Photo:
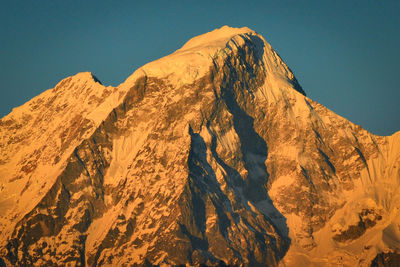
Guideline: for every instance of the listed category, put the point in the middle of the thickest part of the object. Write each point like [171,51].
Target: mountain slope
[211,155]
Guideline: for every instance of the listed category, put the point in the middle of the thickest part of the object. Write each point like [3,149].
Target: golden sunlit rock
[212,155]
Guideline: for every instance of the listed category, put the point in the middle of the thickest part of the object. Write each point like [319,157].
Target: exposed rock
[211,156]
[389,259]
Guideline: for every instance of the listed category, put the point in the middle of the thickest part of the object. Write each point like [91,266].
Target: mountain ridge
[216,151]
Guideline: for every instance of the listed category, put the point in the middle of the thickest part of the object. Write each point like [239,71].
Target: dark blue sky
[345,54]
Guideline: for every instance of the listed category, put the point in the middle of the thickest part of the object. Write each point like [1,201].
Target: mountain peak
[202,53]
[216,38]
[209,156]
[84,76]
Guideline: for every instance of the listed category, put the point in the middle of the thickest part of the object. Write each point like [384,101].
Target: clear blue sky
[345,54]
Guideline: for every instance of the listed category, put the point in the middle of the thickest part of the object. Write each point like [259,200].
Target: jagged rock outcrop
[212,155]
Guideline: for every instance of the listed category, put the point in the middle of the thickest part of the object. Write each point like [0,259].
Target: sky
[345,54]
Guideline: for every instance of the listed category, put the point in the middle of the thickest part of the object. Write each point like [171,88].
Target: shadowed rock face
[386,259]
[226,162]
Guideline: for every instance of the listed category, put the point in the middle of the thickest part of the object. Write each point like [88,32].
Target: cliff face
[211,155]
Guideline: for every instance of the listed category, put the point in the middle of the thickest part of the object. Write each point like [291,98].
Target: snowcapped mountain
[212,155]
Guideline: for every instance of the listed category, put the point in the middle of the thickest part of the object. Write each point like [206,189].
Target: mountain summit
[212,155]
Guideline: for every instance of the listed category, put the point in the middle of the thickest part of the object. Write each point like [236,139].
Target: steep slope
[211,155]
[37,138]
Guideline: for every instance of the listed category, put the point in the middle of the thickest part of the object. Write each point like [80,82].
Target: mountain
[212,155]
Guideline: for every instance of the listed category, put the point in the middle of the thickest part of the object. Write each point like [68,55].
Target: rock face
[212,155]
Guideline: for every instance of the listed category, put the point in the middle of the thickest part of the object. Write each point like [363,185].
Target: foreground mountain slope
[212,154]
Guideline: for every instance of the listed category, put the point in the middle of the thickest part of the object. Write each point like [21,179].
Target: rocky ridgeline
[210,156]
